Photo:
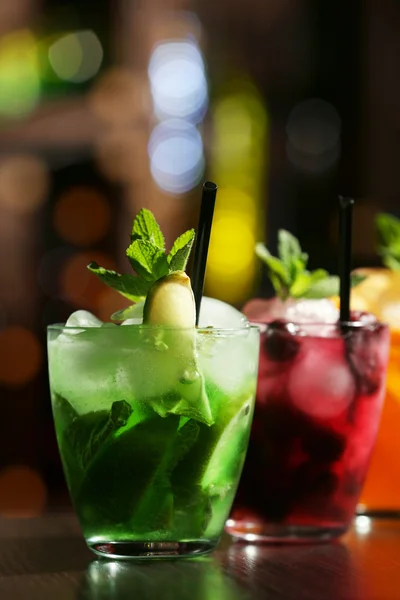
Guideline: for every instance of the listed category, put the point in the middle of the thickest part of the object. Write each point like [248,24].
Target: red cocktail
[319,398]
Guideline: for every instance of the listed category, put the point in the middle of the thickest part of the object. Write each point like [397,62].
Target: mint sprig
[148,258]
[145,227]
[149,261]
[289,275]
[388,234]
[180,251]
[129,286]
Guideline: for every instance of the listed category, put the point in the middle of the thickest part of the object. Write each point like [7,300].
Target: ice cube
[132,321]
[366,318]
[93,369]
[156,365]
[312,311]
[228,361]
[320,381]
[82,318]
[215,313]
[82,368]
[361,440]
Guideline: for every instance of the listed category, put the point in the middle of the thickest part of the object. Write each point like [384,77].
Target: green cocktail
[153,416]
[152,424]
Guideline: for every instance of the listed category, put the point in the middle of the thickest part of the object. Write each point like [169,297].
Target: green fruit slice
[170,302]
[228,455]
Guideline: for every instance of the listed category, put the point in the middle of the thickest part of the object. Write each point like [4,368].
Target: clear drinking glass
[319,399]
[152,425]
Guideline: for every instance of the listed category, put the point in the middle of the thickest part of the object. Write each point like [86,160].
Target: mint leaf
[323,288]
[356,279]
[64,410]
[186,400]
[145,227]
[290,253]
[289,276]
[289,249]
[149,261]
[392,263]
[154,503]
[134,311]
[86,435]
[328,285]
[388,230]
[90,431]
[141,484]
[187,436]
[129,286]
[277,271]
[180,251]
[305,280]
[139,480]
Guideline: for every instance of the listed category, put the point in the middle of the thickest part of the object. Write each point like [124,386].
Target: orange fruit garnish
[379,294]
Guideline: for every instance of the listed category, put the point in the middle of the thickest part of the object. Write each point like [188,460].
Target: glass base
[378,513]
[273,533]
[147,550]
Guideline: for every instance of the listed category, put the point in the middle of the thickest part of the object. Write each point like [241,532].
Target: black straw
[345,226]
[202,242]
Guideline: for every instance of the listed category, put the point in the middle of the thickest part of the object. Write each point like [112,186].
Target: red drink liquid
[319,398]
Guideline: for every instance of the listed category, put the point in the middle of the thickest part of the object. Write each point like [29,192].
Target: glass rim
[350,325]
[60,327]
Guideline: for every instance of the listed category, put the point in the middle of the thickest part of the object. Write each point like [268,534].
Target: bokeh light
[235,129]
[24,183]
[77,56]
[232,248]
[231,260]
[238,164]
[77,284]
[120,97]
[19,74]
[176,156]
[178,81]
[82,215]
[22,492]
[20,356]
[313,133]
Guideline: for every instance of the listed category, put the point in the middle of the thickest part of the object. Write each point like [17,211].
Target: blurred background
[119,104]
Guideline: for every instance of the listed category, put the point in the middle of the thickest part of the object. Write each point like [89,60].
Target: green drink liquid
[145,466]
